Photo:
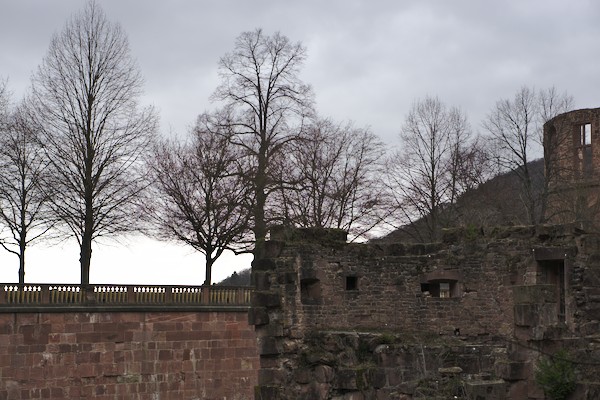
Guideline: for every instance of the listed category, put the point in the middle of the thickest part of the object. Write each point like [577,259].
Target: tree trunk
[85,257]
[209,265]
[260,225]
[21,264]
[22,245]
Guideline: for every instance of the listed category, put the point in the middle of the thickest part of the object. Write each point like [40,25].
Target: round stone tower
[572,168]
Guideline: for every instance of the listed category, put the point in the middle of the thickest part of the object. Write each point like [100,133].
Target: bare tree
[512,124]
[517,128]
[23,204]
[430,171]
[201,199]
[267,103]
[84,104]
[337,169]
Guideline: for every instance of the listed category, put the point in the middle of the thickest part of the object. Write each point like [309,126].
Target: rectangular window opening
[584,150]
[585,134]
[440,289]
[351,283]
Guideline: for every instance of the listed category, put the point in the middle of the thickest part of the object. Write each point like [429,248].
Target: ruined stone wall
[389,278]
[357,321]
[127,355]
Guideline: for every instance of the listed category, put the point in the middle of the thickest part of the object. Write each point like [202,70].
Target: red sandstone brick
[165,355]
[87,371]
[6,328]
[27,319]
[148,368]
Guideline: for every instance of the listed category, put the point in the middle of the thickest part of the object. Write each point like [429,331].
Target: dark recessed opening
[442,289]
[310,291]
[351,283]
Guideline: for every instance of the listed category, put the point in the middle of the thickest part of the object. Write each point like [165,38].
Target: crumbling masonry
[469,317]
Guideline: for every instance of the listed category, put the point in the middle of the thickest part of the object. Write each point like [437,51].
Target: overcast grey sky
[368,61]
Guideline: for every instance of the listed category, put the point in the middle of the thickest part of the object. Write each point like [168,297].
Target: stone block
[354,396]
[261,280]
[592,390]
[385,358]
[267,392]
[524,314]
[512,370]
[517,390]
[532,315]
[378,378]
[324,373]
[291,277]
[258,316]
[450,371]
[273,248]
[266,264]
[265,299]
[346,379]
[590,328]
[322,235]
[486,390]
[268,346]
[314,391]
[270,376]
[302,375]
[534,294]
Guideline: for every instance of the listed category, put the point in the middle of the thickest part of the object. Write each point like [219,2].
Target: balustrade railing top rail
[36,295]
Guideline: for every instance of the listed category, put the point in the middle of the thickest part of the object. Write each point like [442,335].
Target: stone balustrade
[60,296]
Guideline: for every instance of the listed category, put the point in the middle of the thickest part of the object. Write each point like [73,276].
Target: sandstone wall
[514,295]
[127,355]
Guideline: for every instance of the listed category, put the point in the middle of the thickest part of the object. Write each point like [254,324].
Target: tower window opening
[583,143]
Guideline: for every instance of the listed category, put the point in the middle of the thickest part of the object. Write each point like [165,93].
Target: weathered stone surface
[450,370]
[261,280]
[513,370]
[258,316]
[267,392]
[324,373]
[486,390]
[346,379]
[377,378]
[268,346]
[354,396]
[534,294]
[266,264]
[265,299]
[302,375]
